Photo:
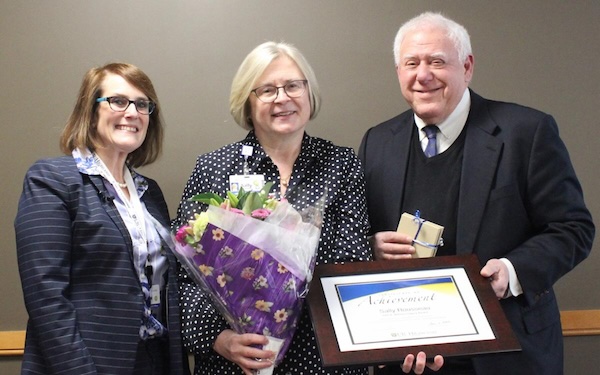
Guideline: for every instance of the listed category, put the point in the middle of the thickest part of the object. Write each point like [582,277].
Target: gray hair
[254,66]
[455,32]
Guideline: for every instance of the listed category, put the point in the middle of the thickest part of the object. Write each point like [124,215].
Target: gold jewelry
[285,182]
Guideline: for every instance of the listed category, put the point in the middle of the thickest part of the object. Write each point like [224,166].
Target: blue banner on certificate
[399,309]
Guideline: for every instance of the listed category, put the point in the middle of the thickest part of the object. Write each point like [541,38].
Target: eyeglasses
[269,93]
[120,104]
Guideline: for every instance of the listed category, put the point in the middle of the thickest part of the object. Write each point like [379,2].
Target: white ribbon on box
[427,236]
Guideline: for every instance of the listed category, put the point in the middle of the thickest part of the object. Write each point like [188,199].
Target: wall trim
[574,323]
[580,322]
[12,343]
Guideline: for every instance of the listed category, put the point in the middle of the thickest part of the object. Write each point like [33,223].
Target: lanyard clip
[247,151]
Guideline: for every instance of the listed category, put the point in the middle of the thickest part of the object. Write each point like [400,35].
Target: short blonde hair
[81,128]
[254,66]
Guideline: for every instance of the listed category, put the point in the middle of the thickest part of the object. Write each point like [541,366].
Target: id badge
[155,295]
[250,182]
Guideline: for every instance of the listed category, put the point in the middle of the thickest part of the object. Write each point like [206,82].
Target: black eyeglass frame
[151,104]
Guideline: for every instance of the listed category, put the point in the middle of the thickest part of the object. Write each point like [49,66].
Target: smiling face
[432,79]
[285,116]
[120,132]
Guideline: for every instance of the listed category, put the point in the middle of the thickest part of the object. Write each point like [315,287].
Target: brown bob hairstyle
[81,128]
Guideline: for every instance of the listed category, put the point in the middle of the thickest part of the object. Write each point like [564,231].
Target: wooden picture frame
[322,307]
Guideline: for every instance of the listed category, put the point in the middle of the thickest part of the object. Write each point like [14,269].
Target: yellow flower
[290,286]
[222,280]
[218,234]
[260,283]
[206,270]
[281,268]
[280,315]
[245,320]
[199,225]
[263,305]
[257,254]
[226,251]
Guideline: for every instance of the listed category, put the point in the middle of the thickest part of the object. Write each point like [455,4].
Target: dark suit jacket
[81,291]
[519,199]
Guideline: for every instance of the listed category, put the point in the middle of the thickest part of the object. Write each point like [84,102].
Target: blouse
[146,241]
[321,168]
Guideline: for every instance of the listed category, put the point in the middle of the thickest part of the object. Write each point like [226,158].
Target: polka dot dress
[321,169]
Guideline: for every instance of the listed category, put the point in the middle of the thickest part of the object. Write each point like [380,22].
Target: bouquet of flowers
[254,256]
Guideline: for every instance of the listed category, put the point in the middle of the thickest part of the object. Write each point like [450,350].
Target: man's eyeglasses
[120,104]
[269,93]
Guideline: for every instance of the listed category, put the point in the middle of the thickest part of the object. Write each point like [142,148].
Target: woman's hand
[240,349]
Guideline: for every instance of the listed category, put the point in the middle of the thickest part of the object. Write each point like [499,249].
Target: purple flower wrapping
[251,289]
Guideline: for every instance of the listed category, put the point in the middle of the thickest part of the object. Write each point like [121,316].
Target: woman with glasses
[274,94]
[99,284]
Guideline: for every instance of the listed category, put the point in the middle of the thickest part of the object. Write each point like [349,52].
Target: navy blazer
[81,291]
[519,198]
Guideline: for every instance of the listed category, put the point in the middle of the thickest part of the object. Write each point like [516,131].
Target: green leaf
[242,195]
[252,202]
[264,192]
[233,199]
[208,198]
[190,240]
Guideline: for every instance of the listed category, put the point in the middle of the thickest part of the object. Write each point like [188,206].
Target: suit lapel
[480,160]
[398,152]
[111,209]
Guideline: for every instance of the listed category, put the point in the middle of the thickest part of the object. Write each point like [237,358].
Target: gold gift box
[428,238]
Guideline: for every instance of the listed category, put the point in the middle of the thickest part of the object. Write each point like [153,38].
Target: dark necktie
[431,132]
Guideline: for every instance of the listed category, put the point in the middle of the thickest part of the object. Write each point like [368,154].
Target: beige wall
[539,53]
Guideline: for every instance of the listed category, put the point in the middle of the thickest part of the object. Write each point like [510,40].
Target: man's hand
[238,349]
[392,245]
[419,365]
[421,361]
[497,273]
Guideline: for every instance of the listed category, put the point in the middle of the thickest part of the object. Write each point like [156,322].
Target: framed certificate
[369,313]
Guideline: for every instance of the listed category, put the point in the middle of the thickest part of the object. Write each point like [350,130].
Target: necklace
[109,176]
[285,181]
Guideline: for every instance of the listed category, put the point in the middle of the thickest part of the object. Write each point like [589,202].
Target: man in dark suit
[500,181]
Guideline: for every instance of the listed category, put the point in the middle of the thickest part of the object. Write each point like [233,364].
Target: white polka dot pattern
[321,166]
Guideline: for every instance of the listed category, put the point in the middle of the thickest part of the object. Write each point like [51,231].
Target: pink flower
[260,213]
[237,211]
[248,273]
[182,234]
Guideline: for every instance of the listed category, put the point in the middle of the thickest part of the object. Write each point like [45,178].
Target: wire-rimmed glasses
[269,93]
